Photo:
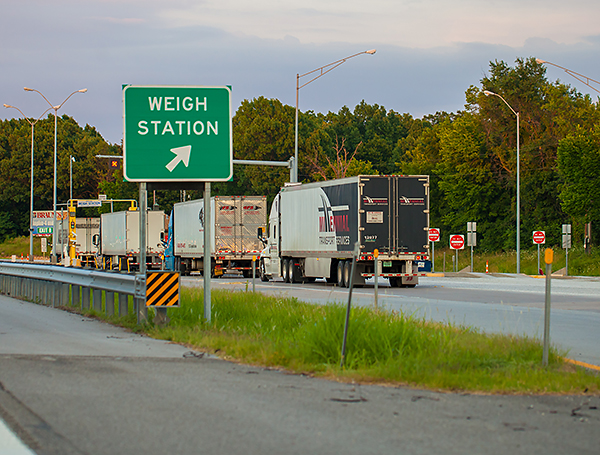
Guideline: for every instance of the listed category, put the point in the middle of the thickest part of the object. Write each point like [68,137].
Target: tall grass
[382,346]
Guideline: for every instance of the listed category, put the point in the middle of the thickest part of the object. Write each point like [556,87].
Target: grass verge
[392,348]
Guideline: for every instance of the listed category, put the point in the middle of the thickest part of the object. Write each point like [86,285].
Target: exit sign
[177,134]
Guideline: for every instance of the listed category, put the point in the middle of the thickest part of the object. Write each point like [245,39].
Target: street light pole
[71,161]
[55,109]
[488,93]
[322,71]
[31,189]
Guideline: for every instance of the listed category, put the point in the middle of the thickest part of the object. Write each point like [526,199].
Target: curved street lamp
[322,71]
[32,123]
[488,93]
[55,109]
[580,77]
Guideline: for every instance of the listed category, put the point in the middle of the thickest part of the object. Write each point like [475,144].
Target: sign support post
[207,253]
[457,242]
[472,238]
[376,273]
[566,244]
[141,310]
[539,238]
[434,236]
[549,256]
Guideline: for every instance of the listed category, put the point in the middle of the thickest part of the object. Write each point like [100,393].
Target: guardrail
[65,286]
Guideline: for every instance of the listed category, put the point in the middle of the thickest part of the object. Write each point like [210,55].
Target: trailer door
[410,217]
[375,217]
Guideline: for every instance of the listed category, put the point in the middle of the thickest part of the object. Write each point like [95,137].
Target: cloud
[65,45]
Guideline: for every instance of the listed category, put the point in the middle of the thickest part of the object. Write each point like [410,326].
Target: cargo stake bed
[313,229]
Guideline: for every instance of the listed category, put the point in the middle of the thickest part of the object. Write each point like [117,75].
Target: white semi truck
[120,239]
[235,221]
[313,229]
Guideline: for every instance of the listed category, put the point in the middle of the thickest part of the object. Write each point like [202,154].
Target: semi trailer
[119,239]
[314,229]
[234,224]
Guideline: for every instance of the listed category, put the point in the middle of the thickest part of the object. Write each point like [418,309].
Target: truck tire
[285,271]
[340,274]
[291,272]
[262,271]
[347,273]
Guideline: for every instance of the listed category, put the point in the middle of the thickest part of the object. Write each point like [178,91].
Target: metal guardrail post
[85,298]
[97,300]
[76,296]
[65,294]
[123,304]
[109,297]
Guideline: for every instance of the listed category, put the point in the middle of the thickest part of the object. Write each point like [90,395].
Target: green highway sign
[177,134]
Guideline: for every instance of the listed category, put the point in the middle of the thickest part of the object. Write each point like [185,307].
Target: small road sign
[539,237]
[192,122]
[457,242]
[434,234]
[162,289]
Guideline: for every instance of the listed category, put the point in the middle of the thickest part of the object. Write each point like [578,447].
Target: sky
[429,52]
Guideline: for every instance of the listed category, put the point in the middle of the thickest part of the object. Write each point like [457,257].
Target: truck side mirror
[261,234]
[96,240]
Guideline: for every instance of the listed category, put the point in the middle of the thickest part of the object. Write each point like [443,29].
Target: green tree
[579,166]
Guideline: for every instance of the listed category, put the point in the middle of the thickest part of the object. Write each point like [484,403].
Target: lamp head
[7,105]
[83,90]
[540,61]
[372,51]
[488,93]
[27,89]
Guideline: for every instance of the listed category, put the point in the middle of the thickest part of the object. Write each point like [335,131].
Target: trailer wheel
[340,274]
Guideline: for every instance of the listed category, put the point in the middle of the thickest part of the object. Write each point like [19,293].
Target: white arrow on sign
[182,154]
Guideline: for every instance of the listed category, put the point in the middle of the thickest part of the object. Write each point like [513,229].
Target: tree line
[470,156]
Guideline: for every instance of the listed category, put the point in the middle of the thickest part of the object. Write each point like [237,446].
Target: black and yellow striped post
[162,289]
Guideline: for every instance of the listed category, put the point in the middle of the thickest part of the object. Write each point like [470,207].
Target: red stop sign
[457,242]
[434,234]
[539,237]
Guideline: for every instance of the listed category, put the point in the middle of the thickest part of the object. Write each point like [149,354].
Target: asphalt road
[503,303]
[71,385]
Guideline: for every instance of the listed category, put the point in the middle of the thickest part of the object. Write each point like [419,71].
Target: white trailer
[234,240]
[313,229]
[85,230]
[120,239]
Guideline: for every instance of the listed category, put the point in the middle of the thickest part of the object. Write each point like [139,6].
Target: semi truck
[314,229]
[119,239]
[235,221]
